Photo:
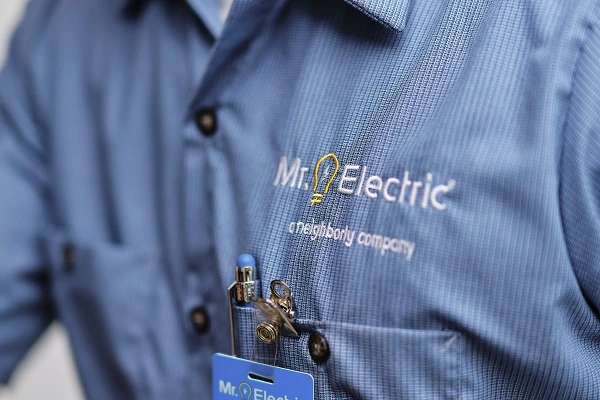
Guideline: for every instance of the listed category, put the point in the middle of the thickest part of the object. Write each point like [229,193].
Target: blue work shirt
[423,175]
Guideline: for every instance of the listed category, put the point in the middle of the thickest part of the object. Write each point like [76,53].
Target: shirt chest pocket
[355,361]
[103,295]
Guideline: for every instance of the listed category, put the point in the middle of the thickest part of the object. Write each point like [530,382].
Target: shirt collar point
[390,13]
[207,11]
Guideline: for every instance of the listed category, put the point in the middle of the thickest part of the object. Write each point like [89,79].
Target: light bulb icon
[318,197]
[245,390]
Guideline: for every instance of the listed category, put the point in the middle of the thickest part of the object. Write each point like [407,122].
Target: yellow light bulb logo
[318,197]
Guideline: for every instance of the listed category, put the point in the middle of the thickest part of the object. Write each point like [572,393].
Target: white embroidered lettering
[386,194]
[345,178]
[373,186]
[284,175]
[439,190]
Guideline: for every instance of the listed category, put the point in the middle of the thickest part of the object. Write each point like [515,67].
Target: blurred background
[48,371]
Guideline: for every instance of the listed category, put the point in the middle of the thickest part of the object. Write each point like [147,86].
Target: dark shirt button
[200,319]
[318,348]
[68,257]
[206,120]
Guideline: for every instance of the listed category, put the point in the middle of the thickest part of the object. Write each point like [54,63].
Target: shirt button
[318,348]
[206,120]
[68,257]
[200,319]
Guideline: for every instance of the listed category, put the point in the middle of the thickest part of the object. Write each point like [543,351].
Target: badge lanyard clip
[279,312]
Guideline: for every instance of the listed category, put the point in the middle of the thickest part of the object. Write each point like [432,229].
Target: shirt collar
[391,13]
[207,10]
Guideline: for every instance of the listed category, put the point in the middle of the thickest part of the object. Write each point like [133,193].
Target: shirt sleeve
[25,306]
[580,170]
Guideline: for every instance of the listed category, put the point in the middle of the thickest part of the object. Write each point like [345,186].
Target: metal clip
[279,311]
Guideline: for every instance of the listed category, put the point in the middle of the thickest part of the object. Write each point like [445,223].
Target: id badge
[247,380]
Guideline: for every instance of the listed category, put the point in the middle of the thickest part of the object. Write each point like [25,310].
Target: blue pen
[241,291]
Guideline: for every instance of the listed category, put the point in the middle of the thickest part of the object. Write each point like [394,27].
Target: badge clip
[279,312]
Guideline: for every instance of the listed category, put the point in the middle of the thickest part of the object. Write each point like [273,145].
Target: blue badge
[238,378]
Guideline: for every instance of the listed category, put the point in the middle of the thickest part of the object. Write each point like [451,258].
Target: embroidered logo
[318,197]
[356,181]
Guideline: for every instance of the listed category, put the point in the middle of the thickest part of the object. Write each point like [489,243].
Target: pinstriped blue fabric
[453,255]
